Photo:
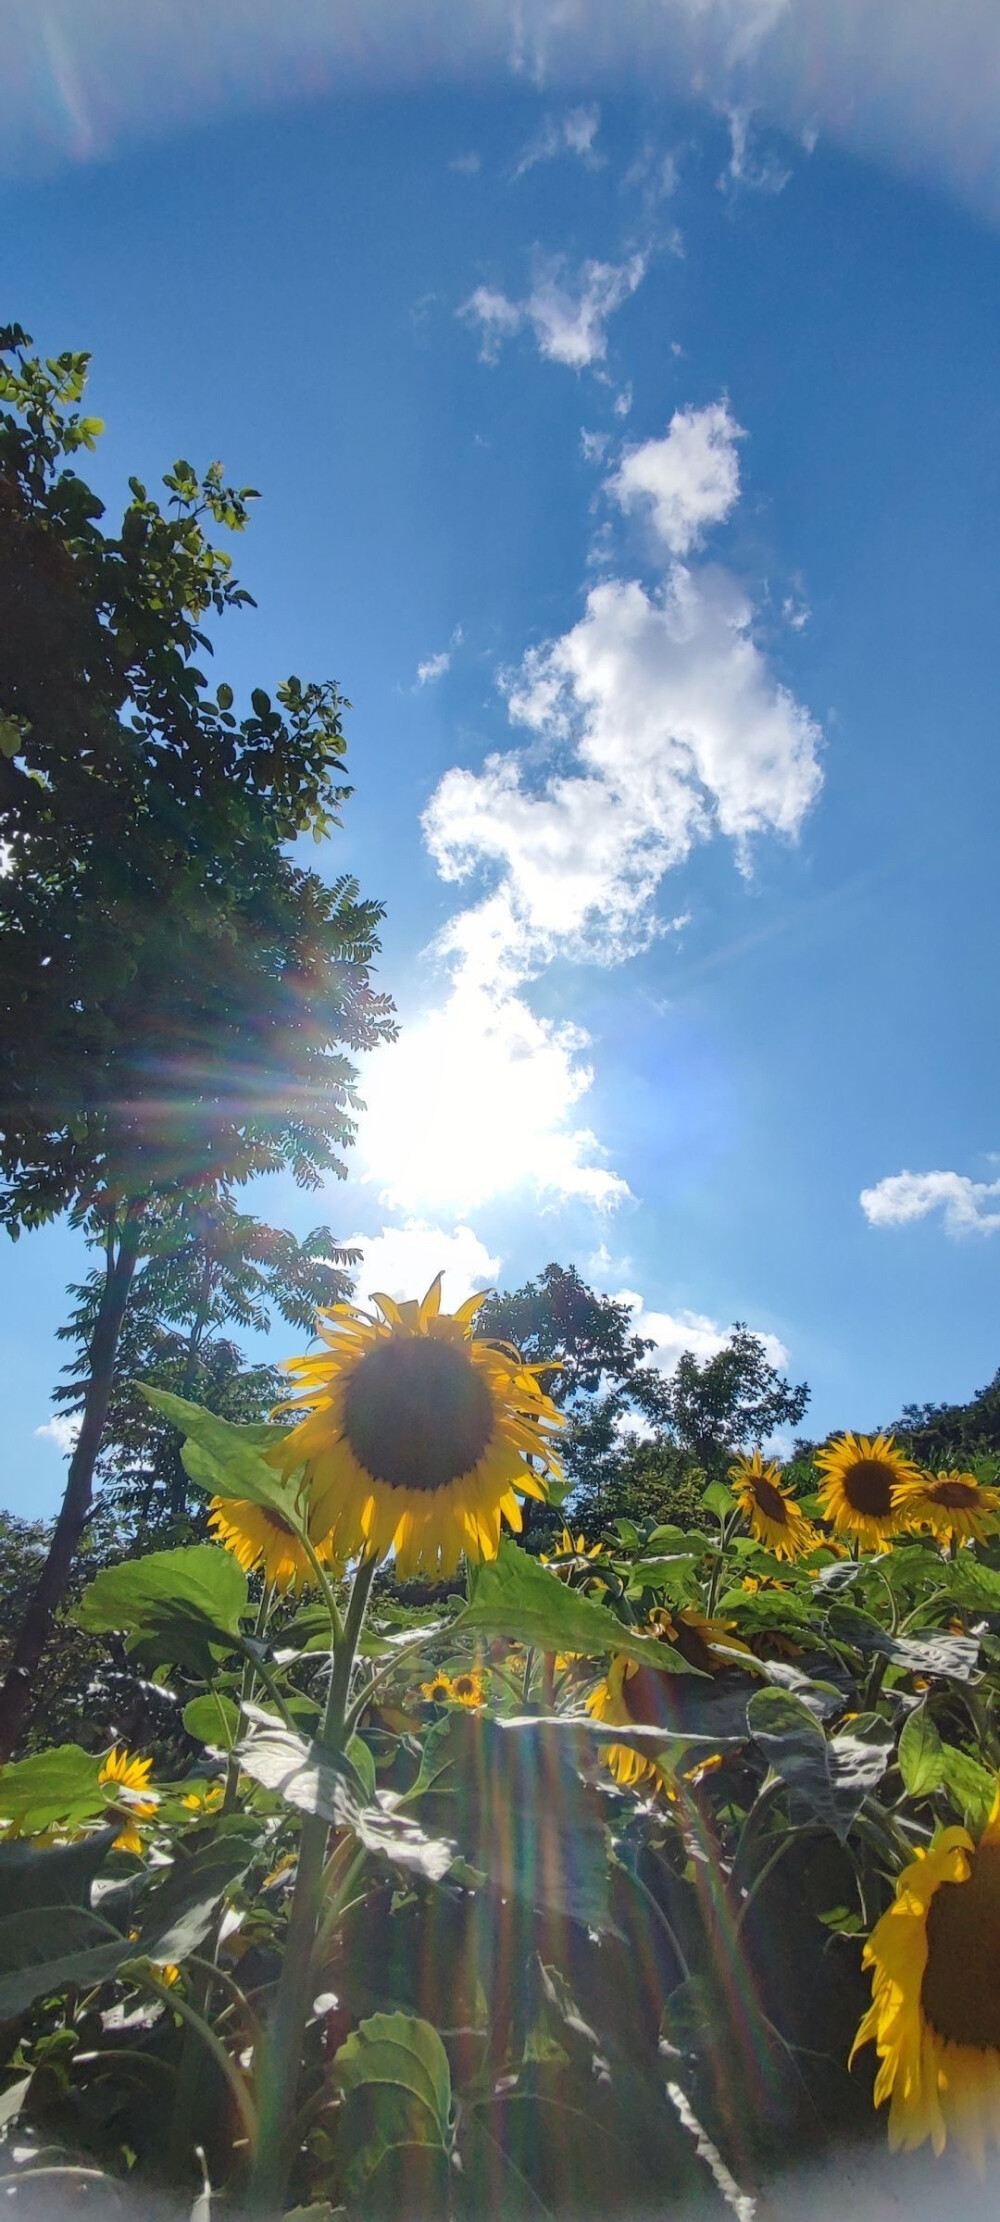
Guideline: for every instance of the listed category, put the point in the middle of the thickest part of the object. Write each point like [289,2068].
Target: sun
[935,2012]
[869,1486]
[418,1435]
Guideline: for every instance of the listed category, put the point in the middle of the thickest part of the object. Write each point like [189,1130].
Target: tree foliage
[179,993]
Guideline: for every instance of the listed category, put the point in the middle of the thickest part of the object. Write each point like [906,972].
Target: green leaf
[973,1787]
[717,1498]
[51,1875]
[363,1764]
[317,1781]
[52,1947]
[828,1777]
[224,696]
[213,1719]
[921,1754]
[224,1459]
[51,1786]
[971,1583]
[178,1912]
[396,2096]
[520,1812]
[516,1597]
[174,1605]
[928,1653]
[406,2053]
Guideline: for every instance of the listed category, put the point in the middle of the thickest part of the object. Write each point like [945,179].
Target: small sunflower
[770,1511]
[634,1696]
[131,1776]
[956,1507]
[469,1689]
[869,1486]
[438,1690]
[935,2011]
[259,1536]
[417,1436]
[567,1550]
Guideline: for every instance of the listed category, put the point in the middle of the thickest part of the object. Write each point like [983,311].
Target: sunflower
[568,1550]
[259,1536]
[770,1511]
[869,1486]
[957,1508]
[935,2011]
[417,1435]
[455,1689]
[131,1776]
[438,1690]
[634,1696]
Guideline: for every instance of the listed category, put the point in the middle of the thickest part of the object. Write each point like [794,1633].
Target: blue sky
[629,446]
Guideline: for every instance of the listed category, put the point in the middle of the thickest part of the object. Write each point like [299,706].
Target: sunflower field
[606,1881]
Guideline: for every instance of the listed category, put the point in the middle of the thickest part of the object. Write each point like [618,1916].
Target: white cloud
[466,165]
[674,1332]
[655,723]
[62,1430]
[750,169]
[573,132]
[566,309]
[690,478]
[673,728]
[967,1206]
[434,667]
[403,1261]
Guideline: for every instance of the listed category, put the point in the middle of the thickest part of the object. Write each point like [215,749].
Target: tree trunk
[33,1634]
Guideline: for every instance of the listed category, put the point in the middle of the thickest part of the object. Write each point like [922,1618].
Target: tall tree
[210,1267]
[730,1402]
[178,992]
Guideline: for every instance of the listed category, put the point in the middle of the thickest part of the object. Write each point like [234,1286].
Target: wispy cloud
[966,1206]
[573,132]
[912,83]
[751,168]
[62,1429]
[434,667]
[566,309]
[403,1261]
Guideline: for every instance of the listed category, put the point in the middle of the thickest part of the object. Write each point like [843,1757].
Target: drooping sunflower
[122,1771]
[634,1696]
[770,1511]
[955,1506]
[260,1537]
[869,1486]
[417,1436]
[935,2011]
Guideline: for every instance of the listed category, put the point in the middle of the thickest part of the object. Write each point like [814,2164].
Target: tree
[639,1443]
[730,1402]
[178,991]
[592,1338]
[210,1267]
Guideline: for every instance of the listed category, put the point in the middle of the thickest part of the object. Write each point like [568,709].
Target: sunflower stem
[281,2050]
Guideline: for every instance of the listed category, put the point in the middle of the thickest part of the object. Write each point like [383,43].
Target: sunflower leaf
[316,1780]
[828,1777]
[928,1653]
[48,1948]
[514,1596]
[222,1458]
[921,1754]
[173,1605]
[34,1875]
[59,1785]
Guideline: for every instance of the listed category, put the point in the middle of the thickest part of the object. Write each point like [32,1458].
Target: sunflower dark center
[957,1495]
[960,1993]
[417,1414]
[868,1488]
[770,1500]
[277,1520]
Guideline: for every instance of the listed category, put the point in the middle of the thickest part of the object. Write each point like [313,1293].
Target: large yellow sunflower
[259,1536]
[634,1696]
[417,1436]
[935,2011]
[955,1506]
[123,1772]
[769,1510]
[869,1486]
